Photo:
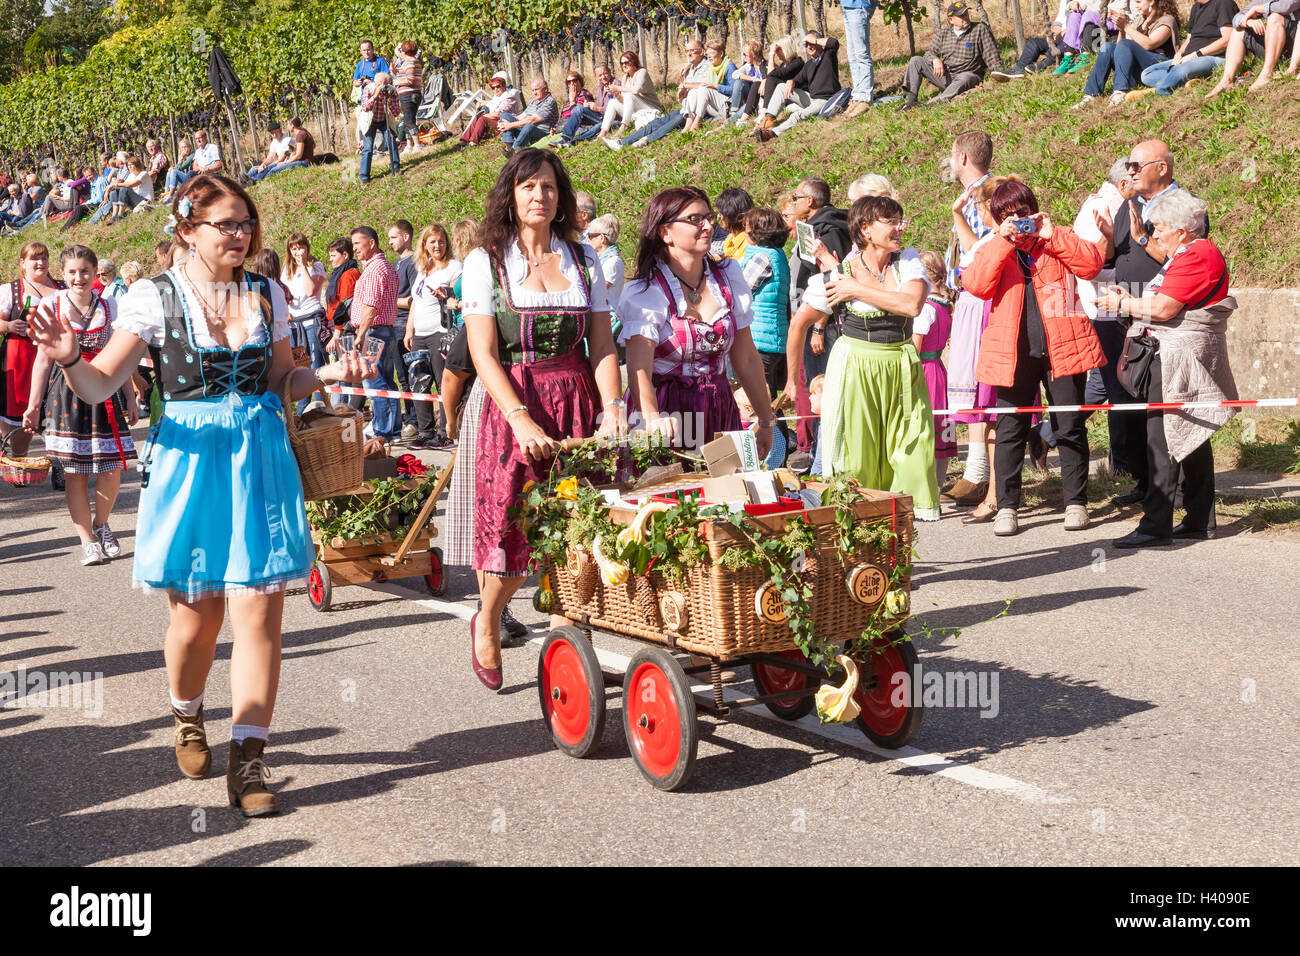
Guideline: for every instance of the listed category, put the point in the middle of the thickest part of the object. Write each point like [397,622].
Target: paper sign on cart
[731,452]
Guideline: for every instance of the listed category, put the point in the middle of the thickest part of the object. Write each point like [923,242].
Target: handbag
[1134,371]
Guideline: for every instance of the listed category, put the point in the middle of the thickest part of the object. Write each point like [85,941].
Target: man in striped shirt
[374,310]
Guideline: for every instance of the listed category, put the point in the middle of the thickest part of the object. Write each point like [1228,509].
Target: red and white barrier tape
[382,393]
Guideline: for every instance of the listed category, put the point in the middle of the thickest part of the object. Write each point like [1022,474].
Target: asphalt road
[1145,714]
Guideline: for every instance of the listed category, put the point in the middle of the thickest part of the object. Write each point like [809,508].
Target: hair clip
[185,207]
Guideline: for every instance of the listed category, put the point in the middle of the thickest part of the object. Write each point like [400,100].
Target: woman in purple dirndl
[683,317]
[531,296]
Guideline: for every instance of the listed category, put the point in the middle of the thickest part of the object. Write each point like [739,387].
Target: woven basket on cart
[22,472]
[715,609]
[329,452]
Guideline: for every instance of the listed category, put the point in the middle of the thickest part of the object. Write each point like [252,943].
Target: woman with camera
[1038,334]
[429,323]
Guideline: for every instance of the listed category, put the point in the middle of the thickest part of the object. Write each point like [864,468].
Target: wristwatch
[1142,241]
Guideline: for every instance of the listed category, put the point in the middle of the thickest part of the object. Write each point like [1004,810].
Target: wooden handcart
[726,621]
[370,560]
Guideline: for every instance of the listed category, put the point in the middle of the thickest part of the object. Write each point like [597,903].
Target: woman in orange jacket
[1032,340]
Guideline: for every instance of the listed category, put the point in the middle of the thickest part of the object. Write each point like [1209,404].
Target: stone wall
[1264,345]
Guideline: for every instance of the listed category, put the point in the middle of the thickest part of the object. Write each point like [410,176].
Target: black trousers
[1196,472]
[1013,431]
[428,415]
[405,405]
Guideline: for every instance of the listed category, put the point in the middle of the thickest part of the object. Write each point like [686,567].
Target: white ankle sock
[241,732]
[977,463]
[187,707]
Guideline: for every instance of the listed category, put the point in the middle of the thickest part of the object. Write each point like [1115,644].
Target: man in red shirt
[374,309]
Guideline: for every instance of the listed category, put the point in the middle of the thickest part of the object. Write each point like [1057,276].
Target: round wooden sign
[768,604]
[672,607]
[868,584]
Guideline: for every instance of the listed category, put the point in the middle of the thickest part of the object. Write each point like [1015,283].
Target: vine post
[802,16]
[1019,24]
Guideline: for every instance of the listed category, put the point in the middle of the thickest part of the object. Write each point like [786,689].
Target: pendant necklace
[878,276]
[692,292]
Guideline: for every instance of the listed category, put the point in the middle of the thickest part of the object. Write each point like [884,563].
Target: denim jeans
[857,35]
[379,128]
[524,136]
[579,118]
[1166,77]
[656,129]
[1130,61]
[177,178]
[1101,70]
[387,418]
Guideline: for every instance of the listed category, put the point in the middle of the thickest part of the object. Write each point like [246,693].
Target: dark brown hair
[298,239]
[500,223]
[663,208]
[766,227]
[870,208]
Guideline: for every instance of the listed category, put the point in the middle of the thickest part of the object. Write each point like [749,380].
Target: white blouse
[910,267]
[644,310]
[427,314]
[478,281]
[615,272]
[97,319]
[305,303]
[140,312]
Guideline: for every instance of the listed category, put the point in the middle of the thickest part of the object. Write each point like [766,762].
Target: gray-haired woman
[1186,311]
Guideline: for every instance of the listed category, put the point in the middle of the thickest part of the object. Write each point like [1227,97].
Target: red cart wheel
[659,718]
[572,691]
[319,590]
[771,679]
[891,709]
[436,580]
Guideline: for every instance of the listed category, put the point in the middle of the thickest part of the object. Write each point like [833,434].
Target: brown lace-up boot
[246,779]
[193,755]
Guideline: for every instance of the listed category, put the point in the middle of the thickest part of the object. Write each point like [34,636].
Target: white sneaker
[409,432]
[1082,103]
[1117,98]
[612,143]
[641,143]
[90,554]
[1076,517]
[107,541]
[1006,523]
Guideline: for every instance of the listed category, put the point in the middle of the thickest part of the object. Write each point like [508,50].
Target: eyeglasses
[1137,167]
[894,223]
[697,219]
[798,196]
[230,228]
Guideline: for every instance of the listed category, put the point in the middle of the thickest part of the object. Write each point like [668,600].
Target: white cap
[501,75]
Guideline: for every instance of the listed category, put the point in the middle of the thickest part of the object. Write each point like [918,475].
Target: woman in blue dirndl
[221,519]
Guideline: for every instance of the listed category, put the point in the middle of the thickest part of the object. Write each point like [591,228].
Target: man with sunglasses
[956,60]
[1125,242]
[806,94]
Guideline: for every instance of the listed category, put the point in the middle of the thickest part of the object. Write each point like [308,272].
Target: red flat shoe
[490,676]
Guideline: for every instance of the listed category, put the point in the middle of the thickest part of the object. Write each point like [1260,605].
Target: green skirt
[877,422]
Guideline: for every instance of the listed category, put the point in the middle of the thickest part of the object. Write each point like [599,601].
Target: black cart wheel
[773,679]
[572,691]
[319,590]
[436,579]
[659,718]
[891,706]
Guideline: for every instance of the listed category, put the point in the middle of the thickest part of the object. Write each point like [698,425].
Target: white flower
[185,207]
[170,227]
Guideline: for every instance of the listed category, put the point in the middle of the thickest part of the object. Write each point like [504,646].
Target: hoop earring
[560,218]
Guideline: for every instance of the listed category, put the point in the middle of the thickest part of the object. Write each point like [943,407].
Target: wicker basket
[721,618]
[22,472]
[330,453]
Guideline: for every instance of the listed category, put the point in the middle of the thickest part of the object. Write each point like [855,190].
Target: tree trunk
[252,128]
[758,12]
[786,10]
[911,34]
[659,37]
[819,15]
[1019,25]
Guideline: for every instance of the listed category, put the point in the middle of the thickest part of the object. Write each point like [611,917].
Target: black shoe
[908,104]
[421,444]
[1139,540]
[511,626]
[1192,534]
[1134,497]
[440,440]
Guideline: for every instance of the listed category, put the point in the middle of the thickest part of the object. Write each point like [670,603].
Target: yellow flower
[567,489]
[835,705]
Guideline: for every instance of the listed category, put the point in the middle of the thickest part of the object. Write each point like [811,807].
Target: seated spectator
[276,152]
[584,123]
[157,163]
[710,98]
[131,271]
[1265,28]
[955,60]
[207,157]
[540,117]
[505,99]
[1150,40]
[636,94]
[1048,52]
[32,183]
[303,151]
[132,192]
[62,197]
[16,209]
[578,101]
[749,76]
[179,172]
[872,184]
[1076,22]
[1209,30]
[694,70]
[732,205]
[807,92]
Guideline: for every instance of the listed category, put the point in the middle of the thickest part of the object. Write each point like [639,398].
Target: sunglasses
[1138,167]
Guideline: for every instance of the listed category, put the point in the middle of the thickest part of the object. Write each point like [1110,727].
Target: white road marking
[842,734]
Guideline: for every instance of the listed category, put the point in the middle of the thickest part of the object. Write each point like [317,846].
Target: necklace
[533,263]
[211,313]
[878,276]
[692,292]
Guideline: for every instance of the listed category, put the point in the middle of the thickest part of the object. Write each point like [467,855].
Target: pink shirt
[377,287]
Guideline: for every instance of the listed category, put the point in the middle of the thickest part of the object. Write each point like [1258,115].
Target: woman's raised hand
[54,336]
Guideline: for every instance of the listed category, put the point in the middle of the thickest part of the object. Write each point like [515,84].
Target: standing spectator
[505,99]
[380,100]
[1186,309]
[930,333]
[276,153]
[733,204]
[408,77]
[710,98]
[1125,244]
[1265,28]
[956,59]
[768,274]
[807,92]
[179,172]
[857,37]
[18,301]
[535,122]
[1037,336]
[344,273]
[157,163]
[374,310]
[111,284]
[636,94]
[583,122]
[400,234]
[435,269]
[369,66]
[603,236]
[304,277]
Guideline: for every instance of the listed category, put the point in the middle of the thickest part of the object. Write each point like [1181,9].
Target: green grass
[1226,149]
